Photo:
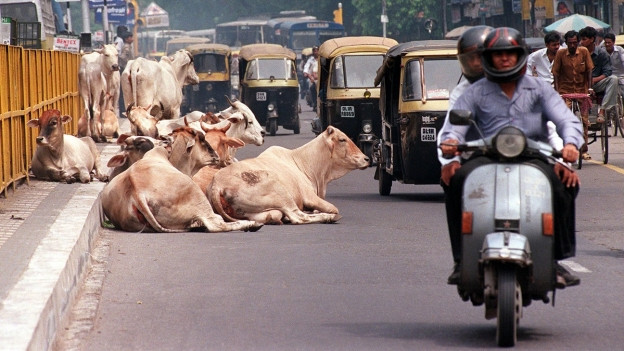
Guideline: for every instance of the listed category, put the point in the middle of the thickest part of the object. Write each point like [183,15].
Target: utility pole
[384,17]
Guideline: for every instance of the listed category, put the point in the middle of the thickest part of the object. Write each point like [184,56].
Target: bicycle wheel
[604,142]
[619,116]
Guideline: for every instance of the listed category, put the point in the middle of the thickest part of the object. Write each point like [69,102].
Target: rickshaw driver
[532,102]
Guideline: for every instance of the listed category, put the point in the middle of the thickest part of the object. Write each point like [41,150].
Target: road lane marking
[611,167]
[574,266]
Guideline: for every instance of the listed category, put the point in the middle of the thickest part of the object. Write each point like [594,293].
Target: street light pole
[384,17]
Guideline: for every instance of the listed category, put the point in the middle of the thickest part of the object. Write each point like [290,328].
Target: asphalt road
[376,280]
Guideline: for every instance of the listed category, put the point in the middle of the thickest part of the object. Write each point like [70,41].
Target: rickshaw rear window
[441,76]
[209,63]
[355,71]
[267,68]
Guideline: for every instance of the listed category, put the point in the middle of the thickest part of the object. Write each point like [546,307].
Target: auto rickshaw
[348,98]
[212,65]
[268,85]
[179,43]
[416,82]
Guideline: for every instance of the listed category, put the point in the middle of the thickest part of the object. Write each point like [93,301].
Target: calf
[62,157]
[110,124]
[280,184]
[152,195]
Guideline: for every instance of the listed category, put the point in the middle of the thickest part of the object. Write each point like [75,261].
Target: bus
[152,44]
[203,33]
[35,22]
[298,34]
[242,32]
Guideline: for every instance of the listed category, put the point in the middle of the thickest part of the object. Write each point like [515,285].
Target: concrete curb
[34,309]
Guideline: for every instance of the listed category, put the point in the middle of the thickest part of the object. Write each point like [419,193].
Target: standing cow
[63,157]
[280,184]
[147,83]
[152,195]
[95,81]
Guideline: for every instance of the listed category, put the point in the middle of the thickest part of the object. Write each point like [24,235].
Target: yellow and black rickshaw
[416,82]
[212,65]
[348,98]
[269,86]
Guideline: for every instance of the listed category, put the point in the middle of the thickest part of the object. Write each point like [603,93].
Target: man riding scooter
[507,92]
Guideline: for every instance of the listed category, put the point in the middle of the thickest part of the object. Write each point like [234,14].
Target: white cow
[147,83]
[94,77]
[286,185]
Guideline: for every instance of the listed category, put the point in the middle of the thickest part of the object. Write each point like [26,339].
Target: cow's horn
[229,101]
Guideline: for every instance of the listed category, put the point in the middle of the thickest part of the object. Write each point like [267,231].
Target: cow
[62,157]
[152,195]
[110,124]
[147,83]
[280,184]
[133,149]
[143,120]
[94,82]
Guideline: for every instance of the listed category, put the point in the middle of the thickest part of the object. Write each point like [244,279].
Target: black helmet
[504,39]
[467,45]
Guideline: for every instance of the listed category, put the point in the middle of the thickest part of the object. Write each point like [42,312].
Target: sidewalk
[47,231]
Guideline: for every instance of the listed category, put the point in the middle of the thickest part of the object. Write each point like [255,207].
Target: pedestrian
[125,55]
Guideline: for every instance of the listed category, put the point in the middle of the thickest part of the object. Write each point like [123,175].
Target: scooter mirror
[460,117]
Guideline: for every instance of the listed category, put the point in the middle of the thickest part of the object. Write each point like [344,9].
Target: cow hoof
[255,227]
[335,218]
[103,139]
[95,138]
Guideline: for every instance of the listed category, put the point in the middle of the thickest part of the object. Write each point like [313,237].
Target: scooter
[507,227]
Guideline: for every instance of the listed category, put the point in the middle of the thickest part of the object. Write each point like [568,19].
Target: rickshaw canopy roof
[338,46]
[209,48]
[420,47]
[253,51]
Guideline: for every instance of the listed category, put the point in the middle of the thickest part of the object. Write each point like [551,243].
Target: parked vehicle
[268,85]
[212,65]
[346,88]
[416,81]
[508,231]
[176,44]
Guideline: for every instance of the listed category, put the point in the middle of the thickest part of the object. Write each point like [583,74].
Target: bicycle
[584,102]
[617,120]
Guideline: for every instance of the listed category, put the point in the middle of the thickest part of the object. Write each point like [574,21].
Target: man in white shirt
[310,71]
[539,63]
[616,53]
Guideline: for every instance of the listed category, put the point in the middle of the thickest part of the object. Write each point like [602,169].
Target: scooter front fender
[506,246]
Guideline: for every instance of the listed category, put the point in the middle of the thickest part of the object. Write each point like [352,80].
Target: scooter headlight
[271,107]
[367,127]
[510,142]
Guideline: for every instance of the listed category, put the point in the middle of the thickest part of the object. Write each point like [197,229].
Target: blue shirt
[533,104]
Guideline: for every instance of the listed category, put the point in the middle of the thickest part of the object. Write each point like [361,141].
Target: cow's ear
[156,111]
[235,118]
[234,142]
[66,119]
[190,144]
[33,123]
[122,138]
[330,130]
[116,161]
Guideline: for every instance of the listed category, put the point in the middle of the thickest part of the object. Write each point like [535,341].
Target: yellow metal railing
[32,81]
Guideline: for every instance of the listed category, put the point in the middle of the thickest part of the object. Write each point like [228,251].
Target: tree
[404,23]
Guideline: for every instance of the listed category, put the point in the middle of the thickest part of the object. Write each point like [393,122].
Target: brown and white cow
[94,82]
[133,149]
[282,185]
[147,83]
[152,195]
[63,157]
[110,124]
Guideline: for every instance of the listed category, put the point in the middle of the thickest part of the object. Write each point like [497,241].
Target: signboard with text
[67,43]
[110,3]
[116,15]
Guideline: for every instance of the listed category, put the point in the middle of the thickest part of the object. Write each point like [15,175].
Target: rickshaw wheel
[385,181]
[272,126]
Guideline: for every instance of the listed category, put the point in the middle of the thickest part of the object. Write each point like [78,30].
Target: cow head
[345,155]
[221,143]
[50,126]
[110,57]
[144,119]
[182,61]
[190,151]
[253,131]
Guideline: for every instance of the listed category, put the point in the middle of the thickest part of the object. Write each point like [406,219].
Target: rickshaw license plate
[261,96]
[427,134]
[347,111]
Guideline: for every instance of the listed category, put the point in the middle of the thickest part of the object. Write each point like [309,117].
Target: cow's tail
[218,201]
[133,84]
[146,212]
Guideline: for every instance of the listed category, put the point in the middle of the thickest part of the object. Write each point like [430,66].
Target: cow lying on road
[63,157]
[152,195]
[280,184]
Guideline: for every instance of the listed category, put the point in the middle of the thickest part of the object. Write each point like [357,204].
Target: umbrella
[456,32]
[575,22]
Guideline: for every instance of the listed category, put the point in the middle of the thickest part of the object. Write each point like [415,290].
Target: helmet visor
[471,64]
